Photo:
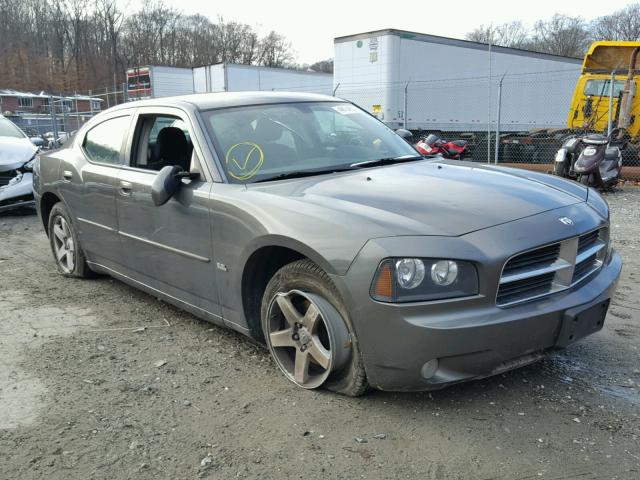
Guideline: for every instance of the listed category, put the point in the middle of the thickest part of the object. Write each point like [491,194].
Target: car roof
[206,101]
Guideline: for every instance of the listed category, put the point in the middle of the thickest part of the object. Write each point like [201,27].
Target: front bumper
[18,192]
[430,345]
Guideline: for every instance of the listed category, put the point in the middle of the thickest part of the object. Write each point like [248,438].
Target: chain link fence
[511,119]
[528,114]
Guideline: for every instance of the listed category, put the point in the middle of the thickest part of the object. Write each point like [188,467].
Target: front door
[167,247]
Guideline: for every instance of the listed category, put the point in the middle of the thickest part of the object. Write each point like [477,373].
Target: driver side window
[160,141]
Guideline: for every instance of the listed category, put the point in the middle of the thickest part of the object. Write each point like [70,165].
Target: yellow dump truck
[609,75]
[589,110]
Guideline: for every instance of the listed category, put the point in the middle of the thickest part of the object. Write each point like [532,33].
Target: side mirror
[405,134]
[166,184]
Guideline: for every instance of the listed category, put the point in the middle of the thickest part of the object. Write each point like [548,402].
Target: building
[14,102]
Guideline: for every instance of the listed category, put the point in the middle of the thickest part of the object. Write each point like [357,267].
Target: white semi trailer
[426,82]
[155,81]
[228,77]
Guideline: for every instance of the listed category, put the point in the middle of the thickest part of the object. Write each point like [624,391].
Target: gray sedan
[305,223]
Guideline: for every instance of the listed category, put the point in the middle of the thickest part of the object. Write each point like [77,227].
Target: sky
[311,26]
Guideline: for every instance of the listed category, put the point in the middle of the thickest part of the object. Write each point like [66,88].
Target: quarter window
[103,142]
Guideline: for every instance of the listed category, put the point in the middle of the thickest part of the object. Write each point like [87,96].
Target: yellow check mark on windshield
[251,158]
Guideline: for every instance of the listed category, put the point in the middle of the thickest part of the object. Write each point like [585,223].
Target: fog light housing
[429,369]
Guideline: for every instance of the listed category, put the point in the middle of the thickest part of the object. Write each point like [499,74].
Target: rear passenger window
[103,142]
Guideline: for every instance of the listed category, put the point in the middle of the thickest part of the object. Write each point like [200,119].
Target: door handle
[125,188]
[67,175]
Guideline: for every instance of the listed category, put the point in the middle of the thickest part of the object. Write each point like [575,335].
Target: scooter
[590,160]
[434,145]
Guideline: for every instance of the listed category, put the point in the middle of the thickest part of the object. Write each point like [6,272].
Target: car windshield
[259,143]
[8,129]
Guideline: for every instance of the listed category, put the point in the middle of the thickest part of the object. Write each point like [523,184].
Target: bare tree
[66,45]
[323,66]
[621,25]
[561,35]
[275,51]
[512,34]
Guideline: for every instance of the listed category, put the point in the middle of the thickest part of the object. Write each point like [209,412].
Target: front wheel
[558,169]
[308,331]
[64,243]
[584,180]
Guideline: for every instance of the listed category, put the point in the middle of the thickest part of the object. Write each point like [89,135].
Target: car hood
[15,152]
[420,198]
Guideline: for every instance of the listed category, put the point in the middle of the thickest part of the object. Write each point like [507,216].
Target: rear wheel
[308,331]
[68,255]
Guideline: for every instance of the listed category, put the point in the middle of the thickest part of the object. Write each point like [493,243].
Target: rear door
[166,247]
[88,177]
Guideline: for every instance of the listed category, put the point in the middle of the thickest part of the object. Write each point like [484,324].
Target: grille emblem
[565,220]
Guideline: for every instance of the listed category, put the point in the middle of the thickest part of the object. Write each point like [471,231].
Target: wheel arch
[48,200]
[265,259]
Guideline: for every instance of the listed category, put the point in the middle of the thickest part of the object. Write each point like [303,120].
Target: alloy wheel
[63,244]
[304,332]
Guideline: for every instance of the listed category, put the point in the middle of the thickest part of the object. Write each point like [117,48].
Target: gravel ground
[99,380]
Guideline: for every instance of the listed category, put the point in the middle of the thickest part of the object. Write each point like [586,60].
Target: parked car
[17,154]
[305,223]
[34,136]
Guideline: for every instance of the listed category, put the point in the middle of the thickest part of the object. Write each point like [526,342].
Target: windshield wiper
[386,161]
[300,174]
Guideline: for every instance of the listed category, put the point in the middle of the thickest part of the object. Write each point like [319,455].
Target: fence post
[106,94]
[489,109]
[406,104]
[91,102]
[497,149]
[75,94]
[54,121]
[64,114]
[125,94]
[610,122]
[336,89]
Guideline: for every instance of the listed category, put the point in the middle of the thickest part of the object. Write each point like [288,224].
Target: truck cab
[590,105]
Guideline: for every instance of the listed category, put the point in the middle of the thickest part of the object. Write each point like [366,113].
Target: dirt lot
[85,393]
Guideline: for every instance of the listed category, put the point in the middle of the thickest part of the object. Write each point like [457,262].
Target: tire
[305,280]
[63,237]
[559,169]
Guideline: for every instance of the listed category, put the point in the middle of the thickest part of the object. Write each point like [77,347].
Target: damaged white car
[17,154]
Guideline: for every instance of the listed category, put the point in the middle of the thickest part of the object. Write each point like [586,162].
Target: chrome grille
[551,268]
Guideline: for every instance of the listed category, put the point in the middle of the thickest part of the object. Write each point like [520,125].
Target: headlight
[29,165]
[423,279]
[595,201]
[409,272]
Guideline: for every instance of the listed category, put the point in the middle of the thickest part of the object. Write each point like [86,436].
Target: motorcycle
[590,160]
[433,145]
